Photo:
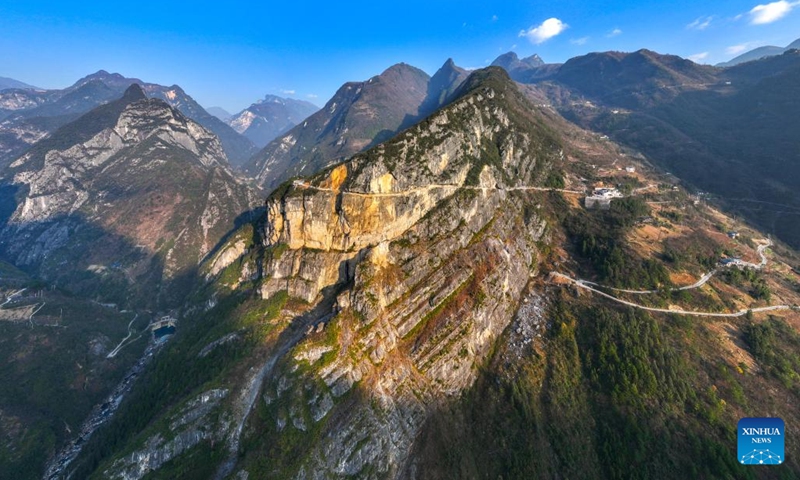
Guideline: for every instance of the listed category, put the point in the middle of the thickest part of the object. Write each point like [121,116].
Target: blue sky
[232,53]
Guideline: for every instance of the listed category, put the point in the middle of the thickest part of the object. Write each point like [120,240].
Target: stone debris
[529,325]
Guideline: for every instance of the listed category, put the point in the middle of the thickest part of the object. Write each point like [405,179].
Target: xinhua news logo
[761,441]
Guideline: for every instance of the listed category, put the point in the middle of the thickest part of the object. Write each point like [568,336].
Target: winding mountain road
[587,285]
[429,187]
[116,350]
[740,313]
[703,280]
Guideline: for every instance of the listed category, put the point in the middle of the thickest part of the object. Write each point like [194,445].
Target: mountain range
[759,53]
[411,304]
[265,120]
[726,131]
[422,289]
[359,115]
[8,83]
[27,116]
[132,195]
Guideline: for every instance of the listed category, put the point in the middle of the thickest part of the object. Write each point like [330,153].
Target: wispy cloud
[701,23]
[494,18]
[288,92]
[770,12]
[698,57]
[312,95]
[579,41]
[547,30]
[736,49]
[614,33]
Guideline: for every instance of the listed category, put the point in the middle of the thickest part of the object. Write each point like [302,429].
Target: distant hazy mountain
[443,85]
[220,113]
[760,52]
[131,194]
[27,115]
[263,121]
[359,115]
[524,70]
[6,83]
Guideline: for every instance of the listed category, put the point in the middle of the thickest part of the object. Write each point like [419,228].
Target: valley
[583,269]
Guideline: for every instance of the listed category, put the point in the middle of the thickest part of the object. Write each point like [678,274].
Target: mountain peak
[134,93]
[509,61]
[441,86]
[533,61]
[493,76]
[102,74]
[401,69]
[269,98]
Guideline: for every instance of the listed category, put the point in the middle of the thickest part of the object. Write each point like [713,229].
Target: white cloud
[547,30]
[312,95]
[579,41]
[698,57]
[736,49]
[288,92]
[701,23]
[494,18]
[771,12]
[614,33]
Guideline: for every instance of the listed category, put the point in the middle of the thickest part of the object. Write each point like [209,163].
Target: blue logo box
[761,441]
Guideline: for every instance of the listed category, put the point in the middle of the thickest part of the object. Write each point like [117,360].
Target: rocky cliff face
[407,262]
[426,235]
[128,186]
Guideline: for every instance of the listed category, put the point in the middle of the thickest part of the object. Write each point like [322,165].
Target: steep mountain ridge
[265,120]
[433,215]
[359,115]
[442,85]
[132,190]
[237,149]
[525,70]
[29,115]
